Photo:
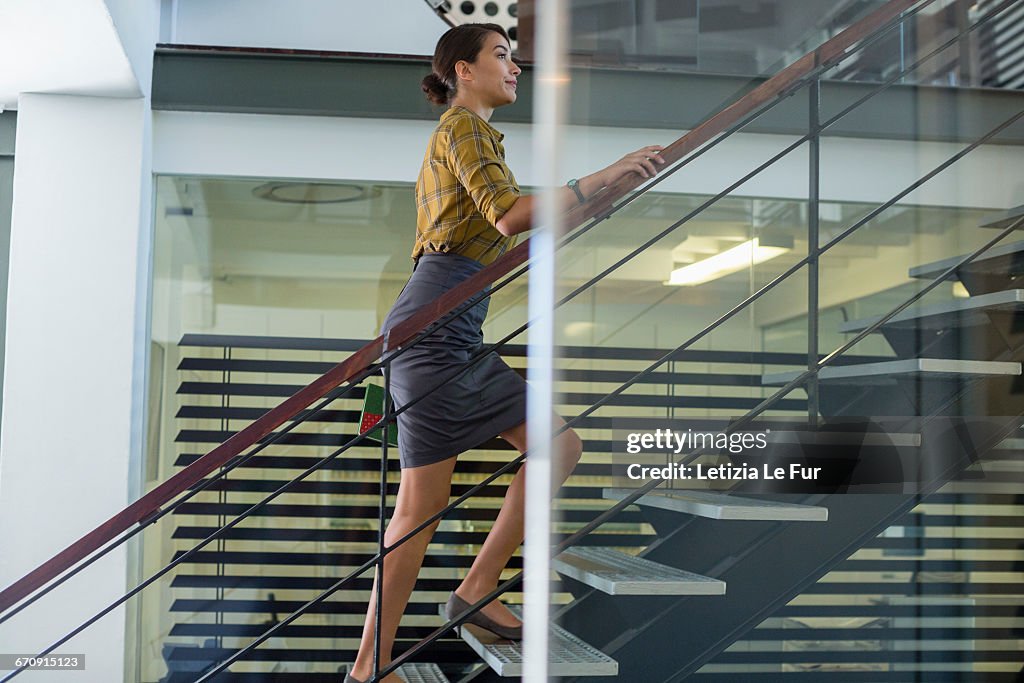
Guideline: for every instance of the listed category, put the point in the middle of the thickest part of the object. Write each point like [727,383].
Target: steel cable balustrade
[490,348]
[148,507]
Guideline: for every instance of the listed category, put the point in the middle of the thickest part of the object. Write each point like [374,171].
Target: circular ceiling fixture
[505,13]
[314,193]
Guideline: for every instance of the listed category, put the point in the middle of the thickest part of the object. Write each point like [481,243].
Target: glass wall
[263,285]
[874,537]
[683,307]
[760,38]
[260,287]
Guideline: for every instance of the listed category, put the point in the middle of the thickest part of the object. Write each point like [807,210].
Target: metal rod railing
[813,225]
[764,405]
[385,425]
[336,394]
[618,507]
[811,372]
[813,255]
[149,506]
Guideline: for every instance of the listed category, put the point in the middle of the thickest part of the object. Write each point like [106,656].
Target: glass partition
[719,37]
[861,540]
[765,262]
[260,287]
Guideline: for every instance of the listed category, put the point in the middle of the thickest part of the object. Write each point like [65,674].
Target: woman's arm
[519,217]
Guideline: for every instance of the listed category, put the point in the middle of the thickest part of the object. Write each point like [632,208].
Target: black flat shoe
[457,606]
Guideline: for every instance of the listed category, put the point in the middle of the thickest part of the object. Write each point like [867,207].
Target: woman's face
[494,73]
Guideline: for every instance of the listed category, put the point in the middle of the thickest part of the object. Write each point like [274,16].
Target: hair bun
[435,89]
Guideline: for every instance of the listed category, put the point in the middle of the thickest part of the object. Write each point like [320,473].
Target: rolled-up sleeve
[481,169]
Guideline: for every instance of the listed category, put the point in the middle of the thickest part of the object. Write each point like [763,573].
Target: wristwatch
[574,185]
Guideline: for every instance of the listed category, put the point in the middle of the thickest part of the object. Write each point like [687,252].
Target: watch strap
[574,185]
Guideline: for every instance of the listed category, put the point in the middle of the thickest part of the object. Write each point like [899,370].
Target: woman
[469,210]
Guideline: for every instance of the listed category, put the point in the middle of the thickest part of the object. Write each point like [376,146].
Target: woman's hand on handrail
[644,162]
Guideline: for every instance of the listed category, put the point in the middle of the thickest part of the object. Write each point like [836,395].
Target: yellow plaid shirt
[463,189]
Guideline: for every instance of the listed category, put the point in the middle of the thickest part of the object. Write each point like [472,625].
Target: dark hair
[462,43]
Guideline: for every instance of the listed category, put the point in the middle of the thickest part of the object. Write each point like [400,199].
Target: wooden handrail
[150,503]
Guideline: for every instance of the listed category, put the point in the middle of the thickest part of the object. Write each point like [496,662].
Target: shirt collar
[493,131]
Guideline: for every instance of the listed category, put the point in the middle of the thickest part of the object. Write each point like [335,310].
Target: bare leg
[507,532]
[422,491]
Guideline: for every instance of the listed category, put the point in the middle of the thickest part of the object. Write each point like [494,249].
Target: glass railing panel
[261,287]
[252,300]
[700,36]
[910,598]
[713,38]
[873,612]
[657,300]
[305,540]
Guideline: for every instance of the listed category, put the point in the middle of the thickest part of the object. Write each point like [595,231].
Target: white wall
[90,59]
[311,147]
[77,331]
[137,25]
[66,437]
[391,26]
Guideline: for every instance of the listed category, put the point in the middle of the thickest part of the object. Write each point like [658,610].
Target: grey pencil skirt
[455,414]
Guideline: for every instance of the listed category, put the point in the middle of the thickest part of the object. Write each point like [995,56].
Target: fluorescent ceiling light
[729,261]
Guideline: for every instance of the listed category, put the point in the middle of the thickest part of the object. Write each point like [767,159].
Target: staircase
[326,527]
[975,402]
[656,583]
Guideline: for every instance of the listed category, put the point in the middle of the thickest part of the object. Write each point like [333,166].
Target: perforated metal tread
[617,573]
[421,672]
[569,656]
[724,506]
[959,312]
[886,371]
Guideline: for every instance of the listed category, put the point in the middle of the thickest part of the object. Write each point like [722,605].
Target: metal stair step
[569,656]
[1004,219]
[723,506]
[997,260]
[889,371]
[616,573]
[422,672]
[957,313]
[1011,444]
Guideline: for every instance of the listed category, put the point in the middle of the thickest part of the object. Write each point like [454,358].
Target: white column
[76,341]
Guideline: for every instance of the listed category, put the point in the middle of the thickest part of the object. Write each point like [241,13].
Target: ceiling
[62,46]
